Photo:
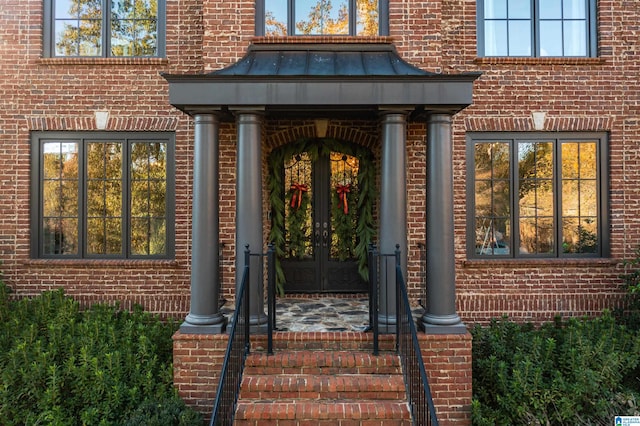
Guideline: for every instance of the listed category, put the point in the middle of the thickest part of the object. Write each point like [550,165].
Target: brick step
[322,387]
[259,413]
[322,362]
[330,341]
[335,387]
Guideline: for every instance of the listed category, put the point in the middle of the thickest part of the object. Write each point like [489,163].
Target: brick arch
[341,131]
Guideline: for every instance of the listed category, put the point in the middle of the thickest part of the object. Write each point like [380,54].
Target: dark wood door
[320,224]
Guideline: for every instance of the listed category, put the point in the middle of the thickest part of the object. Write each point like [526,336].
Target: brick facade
[575,94]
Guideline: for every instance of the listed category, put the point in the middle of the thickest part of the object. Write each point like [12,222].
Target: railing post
[246,313]
[271,290]
[373,297]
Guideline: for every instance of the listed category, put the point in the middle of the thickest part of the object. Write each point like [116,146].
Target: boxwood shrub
[60,365]
[578,372]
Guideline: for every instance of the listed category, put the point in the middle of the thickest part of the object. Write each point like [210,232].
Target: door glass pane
[298,217]
[316,17]
[344,200]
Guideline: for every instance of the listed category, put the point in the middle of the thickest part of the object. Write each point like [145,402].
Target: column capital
[206,118]
[387,113]
[439,117]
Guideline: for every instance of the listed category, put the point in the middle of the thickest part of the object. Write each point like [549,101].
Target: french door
[320,224]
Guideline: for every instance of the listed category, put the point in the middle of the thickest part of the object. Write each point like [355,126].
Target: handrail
[421,404]
[237,350]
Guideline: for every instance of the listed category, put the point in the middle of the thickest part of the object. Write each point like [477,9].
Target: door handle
[325,238]
[317,238]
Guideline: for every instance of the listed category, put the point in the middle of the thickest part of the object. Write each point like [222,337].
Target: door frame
[366,181]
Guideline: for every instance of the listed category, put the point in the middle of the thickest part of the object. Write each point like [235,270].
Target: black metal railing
[374,297]
[423,411]
[237,350]
[271,296]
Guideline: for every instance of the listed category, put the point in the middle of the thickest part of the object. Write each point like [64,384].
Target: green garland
[298,238]
[365,229]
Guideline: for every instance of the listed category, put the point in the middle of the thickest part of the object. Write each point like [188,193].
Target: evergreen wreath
[365,229]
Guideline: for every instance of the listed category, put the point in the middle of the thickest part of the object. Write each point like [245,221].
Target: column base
[442,324]
[258,324]
[387,324]
[200,324]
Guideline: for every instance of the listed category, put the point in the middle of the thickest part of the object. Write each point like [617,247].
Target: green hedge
[102,366]
[572,372]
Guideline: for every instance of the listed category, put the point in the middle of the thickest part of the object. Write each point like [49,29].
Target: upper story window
[321,17]
[537,28]
[537,195]
[104,28]
[102,195]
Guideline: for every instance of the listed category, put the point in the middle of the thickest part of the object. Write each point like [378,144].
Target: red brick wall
[447,359]
[576,94]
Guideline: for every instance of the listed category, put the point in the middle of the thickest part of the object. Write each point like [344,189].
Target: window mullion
[291,17]
[353,19]
[126,198]
[535,27]
[106,28]
[515,207]
[557,197]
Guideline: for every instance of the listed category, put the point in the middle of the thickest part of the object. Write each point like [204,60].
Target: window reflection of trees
[557,203]
[322,17]
[344,179]
[79,27]
[105,191]
[298,215]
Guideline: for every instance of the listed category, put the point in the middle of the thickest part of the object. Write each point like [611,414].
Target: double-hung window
[321,17]
[537,28]
[104,28]
[102,195]
[537,195]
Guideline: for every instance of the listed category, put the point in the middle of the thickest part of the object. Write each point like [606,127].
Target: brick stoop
[322,385]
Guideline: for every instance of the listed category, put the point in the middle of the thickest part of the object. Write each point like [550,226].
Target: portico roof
[323,80]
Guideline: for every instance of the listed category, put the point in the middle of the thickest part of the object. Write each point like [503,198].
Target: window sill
[540,263]
[102,61]
[518,60]
[103,263]
[321,39]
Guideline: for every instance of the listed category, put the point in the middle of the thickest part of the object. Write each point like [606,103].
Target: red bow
[342,194]
[298,189]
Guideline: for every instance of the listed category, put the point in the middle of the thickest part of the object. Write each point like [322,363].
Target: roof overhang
[261,80]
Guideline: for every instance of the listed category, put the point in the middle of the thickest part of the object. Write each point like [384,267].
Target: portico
[321,81]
